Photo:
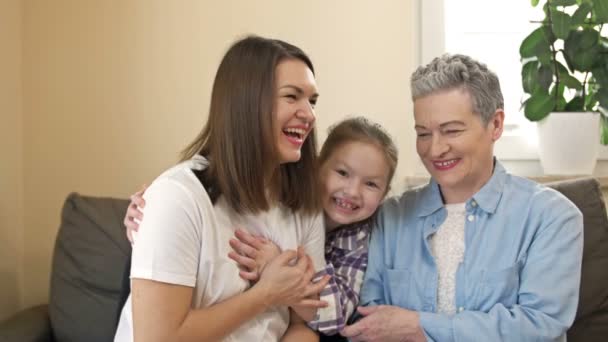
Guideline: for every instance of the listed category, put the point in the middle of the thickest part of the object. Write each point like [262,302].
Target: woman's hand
[252,253]
[134,212]
[287,281]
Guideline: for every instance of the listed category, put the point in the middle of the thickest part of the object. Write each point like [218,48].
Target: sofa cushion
[89,264]
[591,322]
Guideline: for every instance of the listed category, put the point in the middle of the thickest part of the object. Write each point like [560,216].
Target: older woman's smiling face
[455,146]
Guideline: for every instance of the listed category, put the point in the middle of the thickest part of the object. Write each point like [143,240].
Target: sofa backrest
[89,269]
[591,323]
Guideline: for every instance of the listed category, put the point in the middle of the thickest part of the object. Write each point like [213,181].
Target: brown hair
[238,137]
[364,130]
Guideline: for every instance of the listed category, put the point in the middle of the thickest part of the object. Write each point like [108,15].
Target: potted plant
[565,74]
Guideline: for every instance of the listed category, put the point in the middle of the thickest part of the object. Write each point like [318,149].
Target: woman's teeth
[297,132]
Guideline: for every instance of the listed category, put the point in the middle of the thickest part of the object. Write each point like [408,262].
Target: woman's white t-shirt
[183,240]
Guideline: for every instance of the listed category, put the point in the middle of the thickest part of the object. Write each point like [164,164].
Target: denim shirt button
[471,218]
[460,309]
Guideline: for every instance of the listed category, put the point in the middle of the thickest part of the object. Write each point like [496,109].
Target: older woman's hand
[385,323]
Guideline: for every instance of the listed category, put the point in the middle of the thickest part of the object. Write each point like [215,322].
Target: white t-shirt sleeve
[314,241]
[168,242]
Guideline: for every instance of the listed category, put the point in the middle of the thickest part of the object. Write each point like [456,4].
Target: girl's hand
[290,284]
[252,253]
[134,212]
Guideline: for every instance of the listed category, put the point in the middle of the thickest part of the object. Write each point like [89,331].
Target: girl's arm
[346,264]
[298,331]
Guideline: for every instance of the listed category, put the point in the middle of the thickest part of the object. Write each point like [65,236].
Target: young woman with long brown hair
[252,166]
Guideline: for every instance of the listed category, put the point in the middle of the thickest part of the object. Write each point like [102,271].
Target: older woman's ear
[498,124]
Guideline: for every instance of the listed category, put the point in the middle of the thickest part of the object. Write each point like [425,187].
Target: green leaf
[560,24]
[577,104]
[563,2]
[602,97]
[600,74]
[566,79]
[588,38]
[585,60]
[601,11]
[529,76]
[568,60]
[534,44]
[539,105]
[579,16]
[549,35]
[545,77]
[559,89]
[590,101]
[534,3]
[582,49]
[603,129]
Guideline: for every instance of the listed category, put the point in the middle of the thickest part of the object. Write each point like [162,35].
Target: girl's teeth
[344,204]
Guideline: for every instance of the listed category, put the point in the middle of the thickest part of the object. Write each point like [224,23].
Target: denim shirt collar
[487,198]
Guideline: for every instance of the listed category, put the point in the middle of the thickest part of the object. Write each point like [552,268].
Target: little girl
[357,163]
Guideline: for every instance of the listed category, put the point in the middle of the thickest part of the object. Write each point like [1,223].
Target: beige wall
[11,158]
[114,89]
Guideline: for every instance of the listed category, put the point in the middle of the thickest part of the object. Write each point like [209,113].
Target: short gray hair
[460,71]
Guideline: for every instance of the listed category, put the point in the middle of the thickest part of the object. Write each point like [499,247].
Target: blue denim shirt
[520,277]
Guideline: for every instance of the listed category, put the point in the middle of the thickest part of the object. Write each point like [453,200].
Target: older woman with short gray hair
[477,254]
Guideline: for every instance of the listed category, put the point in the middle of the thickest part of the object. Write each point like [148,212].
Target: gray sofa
[89,279]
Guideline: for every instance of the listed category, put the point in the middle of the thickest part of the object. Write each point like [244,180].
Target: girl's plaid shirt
[346,255]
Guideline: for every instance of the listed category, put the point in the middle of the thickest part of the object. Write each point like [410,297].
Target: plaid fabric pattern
[346,255]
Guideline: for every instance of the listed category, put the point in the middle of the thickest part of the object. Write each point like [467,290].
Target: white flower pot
[569,142]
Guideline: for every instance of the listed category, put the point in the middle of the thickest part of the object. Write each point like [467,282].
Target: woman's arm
[298,330]
[162,312]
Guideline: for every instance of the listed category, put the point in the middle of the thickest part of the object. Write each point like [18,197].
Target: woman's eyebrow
[297,89]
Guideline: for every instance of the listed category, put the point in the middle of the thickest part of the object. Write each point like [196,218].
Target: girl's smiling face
[354,181]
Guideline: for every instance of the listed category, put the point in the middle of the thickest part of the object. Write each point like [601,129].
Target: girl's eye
[423,135]
[342,173]
[313,103]
[372,185]
[291,97]
[453,131]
